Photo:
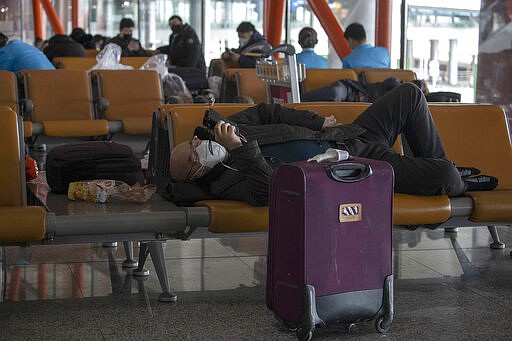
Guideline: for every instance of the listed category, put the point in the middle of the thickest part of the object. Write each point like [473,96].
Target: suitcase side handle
[349,172]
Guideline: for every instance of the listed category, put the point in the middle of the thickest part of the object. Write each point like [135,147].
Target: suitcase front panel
[348,229]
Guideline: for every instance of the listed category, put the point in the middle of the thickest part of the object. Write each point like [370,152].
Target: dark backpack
[89,161]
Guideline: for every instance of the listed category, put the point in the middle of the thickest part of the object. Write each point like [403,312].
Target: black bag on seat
[89,161]
[443,96]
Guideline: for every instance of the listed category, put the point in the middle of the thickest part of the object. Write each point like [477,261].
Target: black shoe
[481,183]
[468,171]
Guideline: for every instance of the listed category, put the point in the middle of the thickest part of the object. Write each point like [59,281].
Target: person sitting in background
[363,55]
[249,40]
[16,55]
[229,162]
[60,45]
[184,47]
[85,39]
[99,41]
[307,40]
[130,46]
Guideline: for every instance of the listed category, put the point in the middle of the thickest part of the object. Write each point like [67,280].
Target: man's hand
[226,136]
[234,56]
[330,121]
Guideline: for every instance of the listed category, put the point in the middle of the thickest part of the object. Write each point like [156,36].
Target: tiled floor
[448,286]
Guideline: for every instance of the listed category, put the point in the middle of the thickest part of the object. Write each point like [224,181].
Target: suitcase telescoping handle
[349,172]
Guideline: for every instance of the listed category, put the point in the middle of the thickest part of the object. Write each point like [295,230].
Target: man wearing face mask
[184,47]
[248,38]
[130,46]
[234,161]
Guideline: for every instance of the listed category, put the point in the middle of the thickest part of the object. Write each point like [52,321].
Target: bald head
[181,161]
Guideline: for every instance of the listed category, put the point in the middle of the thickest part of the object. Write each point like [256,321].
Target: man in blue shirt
[307,40]
[363,55]
[16,55]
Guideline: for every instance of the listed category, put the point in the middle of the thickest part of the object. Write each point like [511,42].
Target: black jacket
[124,47]
[247,61]
[185,49]
[61,45]
[262,124]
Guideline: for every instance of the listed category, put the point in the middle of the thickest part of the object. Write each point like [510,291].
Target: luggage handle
[349,172]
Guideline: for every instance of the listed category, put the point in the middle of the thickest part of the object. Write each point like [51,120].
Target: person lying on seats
[235,159]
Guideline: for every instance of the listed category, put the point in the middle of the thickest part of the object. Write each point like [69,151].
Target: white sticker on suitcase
[350,212]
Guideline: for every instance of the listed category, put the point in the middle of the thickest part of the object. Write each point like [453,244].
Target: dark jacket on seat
[61,45]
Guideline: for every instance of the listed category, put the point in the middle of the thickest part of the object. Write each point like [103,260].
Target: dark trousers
[404,110]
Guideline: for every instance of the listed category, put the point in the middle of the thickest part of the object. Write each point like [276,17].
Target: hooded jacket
[248,61]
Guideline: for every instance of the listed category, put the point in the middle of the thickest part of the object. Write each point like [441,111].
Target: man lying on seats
[235,159]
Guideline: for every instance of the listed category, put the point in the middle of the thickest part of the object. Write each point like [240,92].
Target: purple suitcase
[329,244]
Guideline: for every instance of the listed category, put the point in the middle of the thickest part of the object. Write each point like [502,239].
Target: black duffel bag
[89,161]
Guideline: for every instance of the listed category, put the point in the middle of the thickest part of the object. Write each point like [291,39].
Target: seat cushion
[21,223]
[75,128]
[495,206]
[235,216]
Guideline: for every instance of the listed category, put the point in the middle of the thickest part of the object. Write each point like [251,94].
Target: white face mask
[210,155]
[243,41]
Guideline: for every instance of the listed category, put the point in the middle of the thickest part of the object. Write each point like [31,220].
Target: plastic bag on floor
[109,59]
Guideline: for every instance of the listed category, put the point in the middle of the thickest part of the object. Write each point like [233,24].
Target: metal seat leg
[129,262]
[496,243]
[156,250]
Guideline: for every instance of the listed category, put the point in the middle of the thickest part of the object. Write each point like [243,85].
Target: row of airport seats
[86,63]
[481,140]
[23,224]
[242,85]
[75,103]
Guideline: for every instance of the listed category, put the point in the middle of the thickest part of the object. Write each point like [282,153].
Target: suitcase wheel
[304,334]
[381,326]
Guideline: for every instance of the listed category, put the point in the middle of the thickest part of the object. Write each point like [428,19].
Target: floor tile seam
[440,249]
[494,300]
[424,265]
[246,263]
[213,257]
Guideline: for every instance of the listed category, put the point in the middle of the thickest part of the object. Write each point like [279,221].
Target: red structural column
[383,23]
[273,21]
[52,16]
[38,20]
[331,26]
[75,9]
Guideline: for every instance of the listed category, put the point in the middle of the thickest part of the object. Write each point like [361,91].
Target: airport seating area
[493,155]
[62,103]
[75,103]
